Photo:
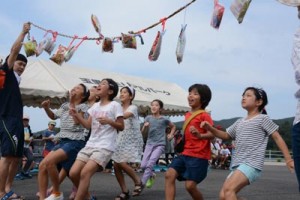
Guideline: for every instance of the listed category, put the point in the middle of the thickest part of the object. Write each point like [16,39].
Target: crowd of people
[95,129]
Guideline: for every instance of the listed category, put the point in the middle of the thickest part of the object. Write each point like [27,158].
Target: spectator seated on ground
[225,157]
[215,153]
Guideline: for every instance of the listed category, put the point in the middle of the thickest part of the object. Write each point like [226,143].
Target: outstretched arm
[216,132]
[46,106]
[284,149]
[15,49]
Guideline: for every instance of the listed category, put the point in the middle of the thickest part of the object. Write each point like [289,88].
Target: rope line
[137,32]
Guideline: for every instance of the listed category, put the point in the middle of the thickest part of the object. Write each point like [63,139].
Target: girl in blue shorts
[251,135]
[71,140]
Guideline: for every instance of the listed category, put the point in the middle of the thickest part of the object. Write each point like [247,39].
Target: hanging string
[184,16]
[137,32]
[157,23]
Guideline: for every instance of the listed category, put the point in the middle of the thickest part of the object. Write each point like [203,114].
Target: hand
[45,104]
[290,165]
[146,124]
[195,132]
[103,120]
[72,111]
[72,95]
[170,136]
[205,125]
[26,28]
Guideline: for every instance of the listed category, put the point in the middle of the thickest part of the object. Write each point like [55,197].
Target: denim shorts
[251,173]
[190,168]
[71,148]
[11,136]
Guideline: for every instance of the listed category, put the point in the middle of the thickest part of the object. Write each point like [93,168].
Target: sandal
[123,196]
[138,189]
[12,196]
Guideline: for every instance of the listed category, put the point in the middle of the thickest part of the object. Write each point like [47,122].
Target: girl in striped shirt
[251,134]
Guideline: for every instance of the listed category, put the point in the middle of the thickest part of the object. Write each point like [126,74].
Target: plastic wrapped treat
[156,46]
[59,55]
[128,41]
[239,9]
[108,45]
[181,44]
[217,15]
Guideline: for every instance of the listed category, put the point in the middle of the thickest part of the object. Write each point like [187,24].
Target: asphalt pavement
[276,183]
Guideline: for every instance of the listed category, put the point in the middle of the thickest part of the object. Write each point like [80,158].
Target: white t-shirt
[104,136]
[225,152]
[215,148]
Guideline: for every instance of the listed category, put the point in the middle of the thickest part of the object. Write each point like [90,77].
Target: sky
[254,53]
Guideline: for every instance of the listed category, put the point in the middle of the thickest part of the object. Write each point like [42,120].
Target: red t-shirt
[193,146]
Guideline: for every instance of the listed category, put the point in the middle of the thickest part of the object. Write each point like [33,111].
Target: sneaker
[19,177]
[150,181]
[55,197]
[26,175]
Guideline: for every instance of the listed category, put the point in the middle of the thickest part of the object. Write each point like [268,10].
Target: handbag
[179,138]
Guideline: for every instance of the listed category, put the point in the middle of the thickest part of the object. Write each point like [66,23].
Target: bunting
[129,40]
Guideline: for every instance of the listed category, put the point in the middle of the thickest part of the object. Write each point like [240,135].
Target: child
[105,120]
[63,174]
[191,165]
[129,143]
[156,142]
[71,140]
[251,135]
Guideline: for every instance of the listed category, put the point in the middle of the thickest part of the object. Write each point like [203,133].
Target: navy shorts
[71,148]
[11,136]
[190,168]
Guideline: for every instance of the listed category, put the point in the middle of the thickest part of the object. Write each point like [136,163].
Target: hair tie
[131,90]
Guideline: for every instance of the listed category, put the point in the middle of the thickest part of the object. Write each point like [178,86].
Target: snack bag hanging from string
[71,49]
[59,55]
[217,15]
[30,46]
[181,44]
[47,44]
[156,46]
[108,45]
[128,41]
[97,26]
[239,9]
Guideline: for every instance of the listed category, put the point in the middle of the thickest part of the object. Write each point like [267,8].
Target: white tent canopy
[44,79]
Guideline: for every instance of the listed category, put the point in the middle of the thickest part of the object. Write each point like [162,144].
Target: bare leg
[129,171]
[48,166]
[12,173]
[5,172]
[90,168]
[120,176]
[170,186]
[75,172]
[233,185]
[191,187]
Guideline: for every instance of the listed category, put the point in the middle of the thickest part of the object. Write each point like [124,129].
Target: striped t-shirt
[251,137]
[68,129]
